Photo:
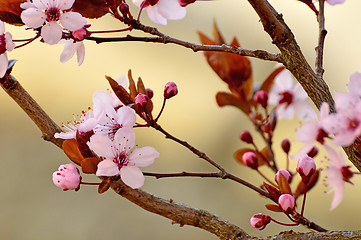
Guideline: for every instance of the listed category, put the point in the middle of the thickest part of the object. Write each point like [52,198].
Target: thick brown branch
[162,38]
[295,62]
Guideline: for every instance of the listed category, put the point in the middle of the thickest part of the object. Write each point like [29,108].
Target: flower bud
[287,202]
[260,221]
[250,159]
[80,34]
[184,3]
[246,136]
[141,100]
[170,90]
[67,177]
[124,9]
[150,92]
[261,97]
[286,145]
[313,152]
[306,167]
[285,173]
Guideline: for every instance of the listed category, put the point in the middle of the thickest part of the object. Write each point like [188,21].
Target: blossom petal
[337,184]
[2,28]
[334,2]
[155,17]
[65,135]
[125,139]
[132,176]
[80,53]
[10,45]
[72,21]
[65,4]
[33,17]
[3,64]
[126,116]
[171,9]
[51,33]
[143,157]
[68,52]
[107,168]
[101,145]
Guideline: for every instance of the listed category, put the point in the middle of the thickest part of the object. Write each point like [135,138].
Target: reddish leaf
[10,11]
[274,207]
[132,88]
[301,186]
[284,185]
[71,149]
[82,144]
[119,91]
[90,165]
[267,84]
[274,192]
[104,186]
[217,34]
[140,86]
[234,69]
[227,99]
[91,8]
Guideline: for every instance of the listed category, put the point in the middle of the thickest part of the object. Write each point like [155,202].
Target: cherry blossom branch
[162,38]
[321,39]
[294,60]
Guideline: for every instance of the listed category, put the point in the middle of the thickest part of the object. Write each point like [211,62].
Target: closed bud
[306,167]
[285,173]
[81,33]
[286,145]
[260,221]
[170,90]
[67,177]
[149,92]
[141,100]
[246,136]
[250,159]
[261,97]
[124,9]
[287,202]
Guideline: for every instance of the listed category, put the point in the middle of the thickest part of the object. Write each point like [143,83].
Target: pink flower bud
[261,97]
[80,34]
[285,173]
[67,177]
[246,136]
[286,145]
[150,92]
[170,90]
[287,202]
[250,159]
[260,221]
[306,167]
[141,100]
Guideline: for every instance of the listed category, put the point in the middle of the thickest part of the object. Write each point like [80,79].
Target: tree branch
[321,39]
[162,38]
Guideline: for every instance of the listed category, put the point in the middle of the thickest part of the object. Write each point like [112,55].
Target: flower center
[286,97]
[52,14]
[353,124]
[121,160]
[2,44]
[321,135]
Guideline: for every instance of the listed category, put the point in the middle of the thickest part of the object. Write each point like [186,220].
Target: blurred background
[31,207]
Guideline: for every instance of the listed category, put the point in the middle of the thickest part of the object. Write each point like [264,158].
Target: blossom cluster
[108,127]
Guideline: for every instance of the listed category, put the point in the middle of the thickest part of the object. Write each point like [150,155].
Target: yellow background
[32,208]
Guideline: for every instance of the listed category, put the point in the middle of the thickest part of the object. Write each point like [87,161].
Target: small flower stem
[304,200]
[285,224]
[141,9]
[87,183]
[29,41]
[161,110]
[266,178]
[112,31]
[287,161]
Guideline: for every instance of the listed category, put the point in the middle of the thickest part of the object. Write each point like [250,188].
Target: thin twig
[321,39]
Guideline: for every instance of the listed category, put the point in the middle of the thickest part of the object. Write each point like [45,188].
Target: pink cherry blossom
[162,10]
[119,160]
[306,167]
[50,12]
[287,202]
[289,97]
[6,44]
[170,90]
[141,100]
[313,131]
[285,173]
[67,177]
[337,175]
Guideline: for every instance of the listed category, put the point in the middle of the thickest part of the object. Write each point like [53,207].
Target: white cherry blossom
[6,44]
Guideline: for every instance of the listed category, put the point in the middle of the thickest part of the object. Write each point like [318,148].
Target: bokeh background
[31,207]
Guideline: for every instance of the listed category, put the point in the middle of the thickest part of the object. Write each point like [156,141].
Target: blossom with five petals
[6,44]
[119,160]
[159,11]
[38,12]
